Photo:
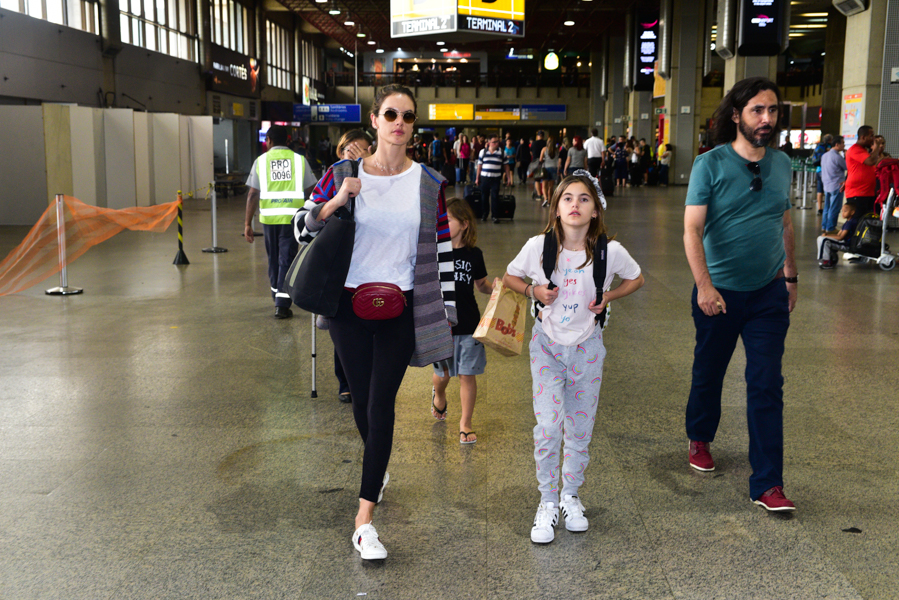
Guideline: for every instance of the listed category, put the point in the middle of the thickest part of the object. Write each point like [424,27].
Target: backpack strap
[550,251]
[600,262]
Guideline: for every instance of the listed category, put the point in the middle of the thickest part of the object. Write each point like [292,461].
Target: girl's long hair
[597,225]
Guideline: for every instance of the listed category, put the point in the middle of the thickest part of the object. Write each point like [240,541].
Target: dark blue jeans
[282,248]
[489,196]
[761,318]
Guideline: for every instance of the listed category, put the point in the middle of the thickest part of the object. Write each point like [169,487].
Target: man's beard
[759,138]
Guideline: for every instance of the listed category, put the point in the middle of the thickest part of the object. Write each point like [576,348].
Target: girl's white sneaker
[366,541]
[573,511]
[547,517]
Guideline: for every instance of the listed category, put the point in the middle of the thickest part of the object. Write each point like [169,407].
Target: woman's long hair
[551,151]
[724,130]
[597,225]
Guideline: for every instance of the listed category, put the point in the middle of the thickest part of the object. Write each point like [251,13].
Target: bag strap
[342,212]
[600,263]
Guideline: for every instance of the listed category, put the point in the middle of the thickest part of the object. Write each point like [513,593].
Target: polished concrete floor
[158,440]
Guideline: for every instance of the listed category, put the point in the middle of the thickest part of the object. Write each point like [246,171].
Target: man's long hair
[724,130]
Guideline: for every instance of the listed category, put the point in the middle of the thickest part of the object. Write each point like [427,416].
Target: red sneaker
[775,501]
[700,458]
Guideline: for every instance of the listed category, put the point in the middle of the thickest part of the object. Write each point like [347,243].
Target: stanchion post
[181,257]
[63,289]
[215,247]
[314,393]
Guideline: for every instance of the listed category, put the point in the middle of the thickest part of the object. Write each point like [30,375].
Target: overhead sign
[646,51]
[451,112]
[415,18]
[421,17]
[543,112]
[328,113]
[233,73]
[763,27]
[497,112]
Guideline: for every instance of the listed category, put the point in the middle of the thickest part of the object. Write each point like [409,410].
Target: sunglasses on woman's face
[391,115]
[756,184]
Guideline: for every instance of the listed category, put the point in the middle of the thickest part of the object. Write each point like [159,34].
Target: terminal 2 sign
[412,18]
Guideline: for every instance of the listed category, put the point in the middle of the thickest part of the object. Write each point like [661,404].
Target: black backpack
[600,258]
[867,237]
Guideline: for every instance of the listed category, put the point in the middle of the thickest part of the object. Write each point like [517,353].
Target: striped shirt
[491,163]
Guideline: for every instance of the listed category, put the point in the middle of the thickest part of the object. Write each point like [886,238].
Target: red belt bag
[378,301]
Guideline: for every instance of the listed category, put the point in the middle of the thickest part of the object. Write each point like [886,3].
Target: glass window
[279,48]
[165,26]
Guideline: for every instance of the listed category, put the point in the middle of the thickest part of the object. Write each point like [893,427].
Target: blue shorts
[820,184]
[469,358]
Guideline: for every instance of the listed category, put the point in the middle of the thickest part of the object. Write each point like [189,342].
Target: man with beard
[738,237]
[861,160]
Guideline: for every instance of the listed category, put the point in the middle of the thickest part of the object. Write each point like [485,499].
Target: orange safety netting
[37,257]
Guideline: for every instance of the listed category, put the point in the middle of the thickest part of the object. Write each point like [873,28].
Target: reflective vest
[281,173]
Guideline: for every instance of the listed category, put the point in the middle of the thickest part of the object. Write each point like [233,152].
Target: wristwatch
[793,279]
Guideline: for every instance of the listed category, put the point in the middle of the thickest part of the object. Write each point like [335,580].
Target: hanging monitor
[763,27]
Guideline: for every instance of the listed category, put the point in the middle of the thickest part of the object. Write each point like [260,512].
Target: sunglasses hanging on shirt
[756,184]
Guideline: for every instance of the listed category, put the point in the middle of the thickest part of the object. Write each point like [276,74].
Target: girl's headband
[595,182]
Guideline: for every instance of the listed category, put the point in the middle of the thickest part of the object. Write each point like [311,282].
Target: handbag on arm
[316,278]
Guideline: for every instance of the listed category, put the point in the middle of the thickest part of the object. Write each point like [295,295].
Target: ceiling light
[821,14]
[333,10]
[441,43]
[578,63]
[320,1]
[796,34]
[551,62]
[379,51]
[360,35]
[433,60]
[349,22]
[372,42]
[808,26]
[465,60]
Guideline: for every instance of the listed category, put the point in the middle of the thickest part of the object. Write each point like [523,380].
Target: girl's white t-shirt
[567,320]
[388,217]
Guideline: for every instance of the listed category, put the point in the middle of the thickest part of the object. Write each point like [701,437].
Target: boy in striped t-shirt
[490,169]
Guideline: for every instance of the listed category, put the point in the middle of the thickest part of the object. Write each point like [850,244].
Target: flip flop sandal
[465,434]
[440,414]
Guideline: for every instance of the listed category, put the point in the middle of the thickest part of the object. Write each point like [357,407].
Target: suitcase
[449,173]
[473,197]
[607,181]
[505,204]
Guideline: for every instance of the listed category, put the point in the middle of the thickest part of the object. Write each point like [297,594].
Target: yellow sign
[498,9]
[451,112]
[237,109]
[500,112]
[421,17]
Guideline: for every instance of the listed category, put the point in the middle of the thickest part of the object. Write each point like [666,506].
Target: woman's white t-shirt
[388,217]
[567,320]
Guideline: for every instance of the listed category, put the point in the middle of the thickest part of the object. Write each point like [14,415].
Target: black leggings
[374,355]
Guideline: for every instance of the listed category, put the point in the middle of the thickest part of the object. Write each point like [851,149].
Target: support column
[598,90]
[683,92]
[741,67]
[832,88]
[863,62]
[641,104]
[616,107]
[888,125]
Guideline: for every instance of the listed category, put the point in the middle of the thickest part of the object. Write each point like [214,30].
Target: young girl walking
[469,357]
[567,350]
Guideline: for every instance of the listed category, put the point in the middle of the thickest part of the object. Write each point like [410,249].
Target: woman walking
[402,244]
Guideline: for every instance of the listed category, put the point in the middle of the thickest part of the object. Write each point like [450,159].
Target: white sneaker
[547,518]
[366,541]
[383,485]
[573,511]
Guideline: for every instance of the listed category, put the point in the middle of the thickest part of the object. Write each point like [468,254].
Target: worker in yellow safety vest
[279,183]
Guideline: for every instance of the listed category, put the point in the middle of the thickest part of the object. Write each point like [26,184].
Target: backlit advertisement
[762,27]
[646,51]
[233,73]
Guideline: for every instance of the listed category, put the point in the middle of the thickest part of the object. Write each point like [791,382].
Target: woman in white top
[402,238]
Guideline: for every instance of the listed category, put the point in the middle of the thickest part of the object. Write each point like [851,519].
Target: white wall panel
[23,170]
[86,168]
[166,157]
[143,159]
[118,130]
[201,150]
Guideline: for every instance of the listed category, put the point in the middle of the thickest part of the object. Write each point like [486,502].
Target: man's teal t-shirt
[743,236]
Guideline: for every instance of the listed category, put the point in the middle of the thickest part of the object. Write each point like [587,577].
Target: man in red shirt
[861,159]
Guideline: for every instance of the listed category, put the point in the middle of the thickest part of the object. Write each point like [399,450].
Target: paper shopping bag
[502,325]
